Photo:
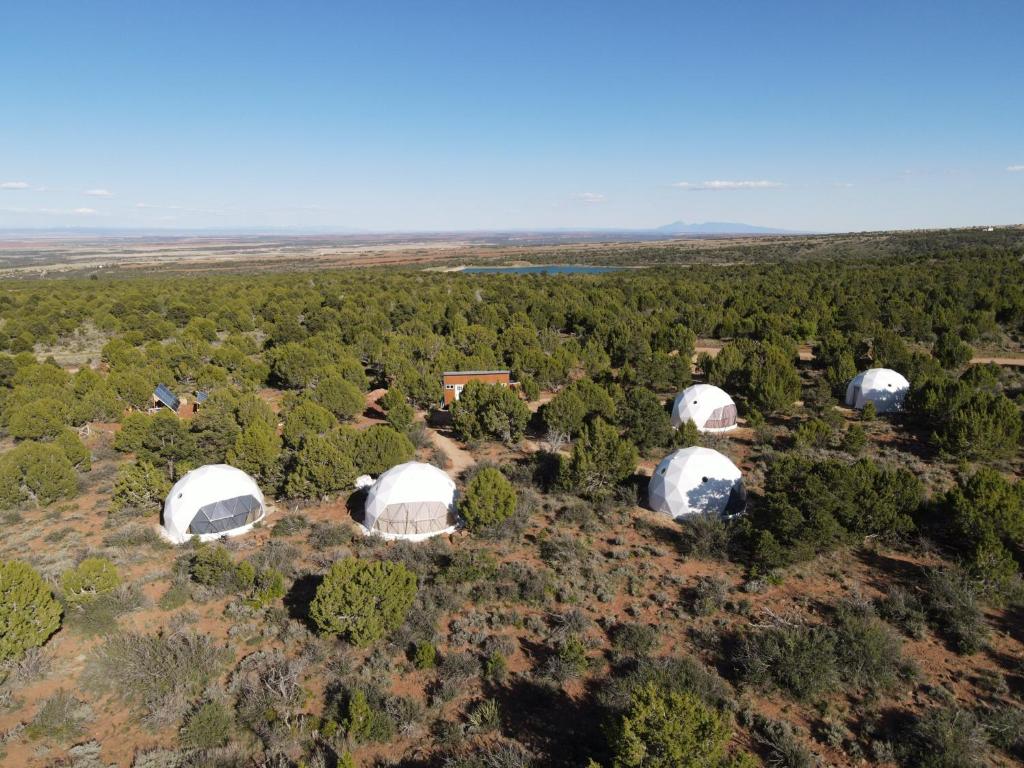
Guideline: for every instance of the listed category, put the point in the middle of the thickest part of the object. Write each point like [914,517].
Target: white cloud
[14,185]
[719,185]
[148,206]
[590,197]
[99,193]
[1015,168]
[85,211]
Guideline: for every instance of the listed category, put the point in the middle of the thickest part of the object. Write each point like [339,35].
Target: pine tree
[139,486]
[258,452]
[489,500]
[363,600]
[600,460]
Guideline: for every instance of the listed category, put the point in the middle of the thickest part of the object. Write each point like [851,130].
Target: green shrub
[363,600]
[73,447]
[798,659]
[484,717]
[869,653]
[489,411]
[637,640]
[61,718]
[257,450]
[952,600]
[396,406]
[208,726]
[813,506]
[668,730]
[321,466]
[211,565]
[496,667]
[965,421]
[362,722]
[946,738]
[985,516]
[140,487]
[489,500]
[289,525]
[90,578]
[306,419]
[39,419]
[645,420]
[601,459]
[380,448]
[35,471]
[176,596]
[152,670]
[904,610]
[855,440]
[339,396]
[268,585]
[28,612]
[425,656]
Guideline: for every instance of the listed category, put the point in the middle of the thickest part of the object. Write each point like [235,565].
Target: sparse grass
[154,672]
[61,718]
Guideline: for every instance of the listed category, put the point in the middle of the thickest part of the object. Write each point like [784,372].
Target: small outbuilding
[212,501]
[884,387]
[696,481]
[453,382]
[412,501]
[707,406]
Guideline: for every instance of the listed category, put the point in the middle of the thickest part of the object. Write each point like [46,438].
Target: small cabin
[453,382]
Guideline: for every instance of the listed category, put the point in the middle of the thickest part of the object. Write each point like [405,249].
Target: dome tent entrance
[212,501]
[707,406]
[694,481]
[884,387]
[411,501]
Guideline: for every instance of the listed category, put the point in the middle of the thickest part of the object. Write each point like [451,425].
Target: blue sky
[825,116]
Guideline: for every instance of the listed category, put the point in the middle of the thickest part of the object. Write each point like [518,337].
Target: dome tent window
[212,501]
[708,407]
[222,516]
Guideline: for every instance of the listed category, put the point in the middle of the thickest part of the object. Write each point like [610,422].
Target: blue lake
[547,269]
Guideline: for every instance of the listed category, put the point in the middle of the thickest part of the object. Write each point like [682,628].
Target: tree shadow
[301,594]
[564,729]
[886,571]
[355,505]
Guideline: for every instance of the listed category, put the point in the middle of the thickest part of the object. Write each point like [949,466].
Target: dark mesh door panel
[856,397]
[737,499]
[721,417]
[226,515]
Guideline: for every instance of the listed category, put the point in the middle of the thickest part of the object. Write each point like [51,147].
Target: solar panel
[202,396]
[168,398]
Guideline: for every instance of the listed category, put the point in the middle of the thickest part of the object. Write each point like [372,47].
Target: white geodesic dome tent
[411,501]
[882,386]
[210,502]
[707,406]
[696,481]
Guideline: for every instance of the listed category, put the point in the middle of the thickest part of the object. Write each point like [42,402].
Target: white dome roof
[210,502]
[882,386]
[411,501]
[695,481]
[707,406]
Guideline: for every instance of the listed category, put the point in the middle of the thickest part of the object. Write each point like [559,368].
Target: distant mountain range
[719,228]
